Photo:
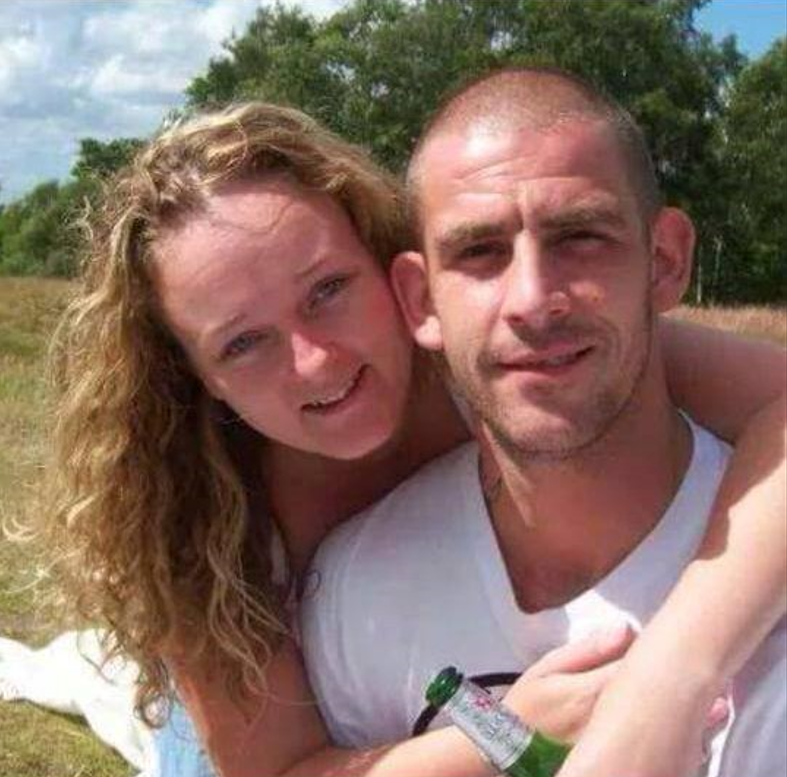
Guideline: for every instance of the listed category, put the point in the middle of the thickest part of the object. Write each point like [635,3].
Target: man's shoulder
[685,520]
[424,505]
[709,457]
[377,580]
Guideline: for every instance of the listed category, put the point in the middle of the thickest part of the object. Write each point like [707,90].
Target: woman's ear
[410,281]
[672,252]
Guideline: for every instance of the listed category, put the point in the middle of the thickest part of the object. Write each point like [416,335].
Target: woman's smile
[312,350]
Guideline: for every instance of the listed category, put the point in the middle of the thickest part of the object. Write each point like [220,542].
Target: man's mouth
[335,398]
[550,359]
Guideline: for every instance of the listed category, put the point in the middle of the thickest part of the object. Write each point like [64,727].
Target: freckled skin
[280,306]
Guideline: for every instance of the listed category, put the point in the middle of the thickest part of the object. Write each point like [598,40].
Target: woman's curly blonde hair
[154,493]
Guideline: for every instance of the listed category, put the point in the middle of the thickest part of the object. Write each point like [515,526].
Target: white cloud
[120,78]
[97,68]
[22,55]
[71,69]
[14,56]
[221,19]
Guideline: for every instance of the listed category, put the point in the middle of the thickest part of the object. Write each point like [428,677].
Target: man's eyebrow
[468,233]
[582,216]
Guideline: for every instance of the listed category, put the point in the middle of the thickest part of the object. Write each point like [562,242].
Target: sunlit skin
[545,275]
[539,281]
[288,318]
[232,264]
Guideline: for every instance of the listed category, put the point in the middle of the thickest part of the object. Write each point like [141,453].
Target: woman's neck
[310,494]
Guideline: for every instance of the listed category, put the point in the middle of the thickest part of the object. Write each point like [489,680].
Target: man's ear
[672,242]
[410,281]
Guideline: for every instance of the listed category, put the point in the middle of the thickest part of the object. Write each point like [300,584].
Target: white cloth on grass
[65,676]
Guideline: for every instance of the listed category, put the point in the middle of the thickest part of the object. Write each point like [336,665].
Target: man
[545,255]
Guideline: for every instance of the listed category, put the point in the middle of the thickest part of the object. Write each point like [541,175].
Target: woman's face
[287,317]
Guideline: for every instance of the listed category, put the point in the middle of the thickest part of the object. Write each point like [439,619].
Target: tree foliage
[375,70]
[35,231]
[755,132]
[39,234]
[100,160]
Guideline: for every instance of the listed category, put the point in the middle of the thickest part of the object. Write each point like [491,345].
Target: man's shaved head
[541,99]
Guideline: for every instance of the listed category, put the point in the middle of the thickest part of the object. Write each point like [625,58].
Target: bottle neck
[496,731]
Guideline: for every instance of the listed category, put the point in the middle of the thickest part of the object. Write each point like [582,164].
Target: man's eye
[480,250]
[240,345]
[328,289]
[580,236]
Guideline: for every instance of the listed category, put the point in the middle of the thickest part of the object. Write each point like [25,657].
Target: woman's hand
[651,723]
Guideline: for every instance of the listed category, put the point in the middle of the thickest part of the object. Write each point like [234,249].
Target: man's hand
[558,693]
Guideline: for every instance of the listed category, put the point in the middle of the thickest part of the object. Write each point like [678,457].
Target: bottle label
[497,732]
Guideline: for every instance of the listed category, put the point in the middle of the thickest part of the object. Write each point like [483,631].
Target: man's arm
[649,720]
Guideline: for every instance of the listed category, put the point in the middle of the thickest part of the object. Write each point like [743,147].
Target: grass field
[34,743]
[767,323]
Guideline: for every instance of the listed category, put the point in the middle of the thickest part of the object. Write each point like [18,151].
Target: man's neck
[564,525]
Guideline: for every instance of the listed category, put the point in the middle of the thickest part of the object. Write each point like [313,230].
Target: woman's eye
[240,345]
[328,289]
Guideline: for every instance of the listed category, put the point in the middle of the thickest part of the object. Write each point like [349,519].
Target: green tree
[39,233]
[97,159]
[374,71]
[755,131]
[37,236]
[275,59]
[27,229]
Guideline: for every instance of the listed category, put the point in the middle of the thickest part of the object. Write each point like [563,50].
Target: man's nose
[535,292]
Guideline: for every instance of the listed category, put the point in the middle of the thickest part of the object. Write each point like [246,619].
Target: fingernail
[612,635]
[719,712]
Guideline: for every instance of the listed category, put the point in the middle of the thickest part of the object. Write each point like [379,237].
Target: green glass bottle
[497,732]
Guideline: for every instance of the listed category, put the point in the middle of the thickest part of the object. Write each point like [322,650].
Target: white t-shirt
[417,582]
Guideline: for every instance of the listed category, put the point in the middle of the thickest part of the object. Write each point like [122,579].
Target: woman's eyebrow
[311,269]
[215,332]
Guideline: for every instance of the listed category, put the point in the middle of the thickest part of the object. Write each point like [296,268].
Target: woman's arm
[280,733]
[723,380]
[737,387]
[649,719]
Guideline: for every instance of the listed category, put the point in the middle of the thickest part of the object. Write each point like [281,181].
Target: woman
[167,507]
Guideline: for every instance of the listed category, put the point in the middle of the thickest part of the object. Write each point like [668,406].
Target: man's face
[540,280]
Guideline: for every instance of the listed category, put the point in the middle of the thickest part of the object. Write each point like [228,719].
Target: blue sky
[71,69]
[755,23]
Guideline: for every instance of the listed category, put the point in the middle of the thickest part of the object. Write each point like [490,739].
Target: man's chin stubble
[563,447]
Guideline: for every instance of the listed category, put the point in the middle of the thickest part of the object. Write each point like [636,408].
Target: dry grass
[28,310]
[35,743]
[767,323]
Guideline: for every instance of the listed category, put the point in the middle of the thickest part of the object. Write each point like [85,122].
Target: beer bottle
[497,732]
